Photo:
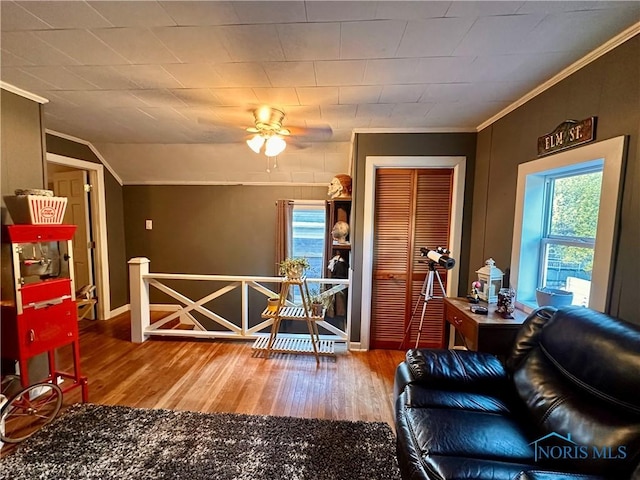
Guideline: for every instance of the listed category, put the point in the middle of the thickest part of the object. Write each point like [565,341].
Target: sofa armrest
[455,370]
[551,475]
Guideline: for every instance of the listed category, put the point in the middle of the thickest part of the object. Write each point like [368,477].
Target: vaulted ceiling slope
[166,88]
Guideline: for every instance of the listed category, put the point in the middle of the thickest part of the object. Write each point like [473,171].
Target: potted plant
[293,268]
[318,302]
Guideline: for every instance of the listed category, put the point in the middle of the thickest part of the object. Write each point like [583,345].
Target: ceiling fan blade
[320,132]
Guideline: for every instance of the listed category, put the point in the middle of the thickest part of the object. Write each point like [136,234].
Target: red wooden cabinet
[42,316]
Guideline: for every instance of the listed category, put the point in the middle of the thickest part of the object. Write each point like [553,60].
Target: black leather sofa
[564,405]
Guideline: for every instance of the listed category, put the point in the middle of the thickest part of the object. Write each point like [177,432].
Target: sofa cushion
[418,396]
[469,434]
[456,369]
[596,353]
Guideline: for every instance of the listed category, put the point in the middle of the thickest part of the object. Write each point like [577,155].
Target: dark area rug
[108,442]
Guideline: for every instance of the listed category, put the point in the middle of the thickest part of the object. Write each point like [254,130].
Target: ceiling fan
[269,134]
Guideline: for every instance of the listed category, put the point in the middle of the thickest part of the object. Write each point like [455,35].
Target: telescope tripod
[426,294]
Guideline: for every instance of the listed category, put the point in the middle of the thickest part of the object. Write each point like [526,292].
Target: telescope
[440,256]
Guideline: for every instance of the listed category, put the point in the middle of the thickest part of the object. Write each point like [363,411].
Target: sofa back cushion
[580,380]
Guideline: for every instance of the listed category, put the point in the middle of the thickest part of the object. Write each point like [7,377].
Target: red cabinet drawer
[46,290]
[43,329]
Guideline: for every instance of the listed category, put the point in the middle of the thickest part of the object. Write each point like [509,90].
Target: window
[569,232]
[307,232]
[565,223]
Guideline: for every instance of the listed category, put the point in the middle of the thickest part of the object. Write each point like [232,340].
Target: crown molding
[91,147]
[23,93]
[217,183]
[616,41]
[416,130]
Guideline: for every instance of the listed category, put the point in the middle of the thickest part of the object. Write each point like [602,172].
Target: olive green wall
[406,144]
[608,88]
[225,230]
[22,167]
[115,217]
[22,162]
[22,153]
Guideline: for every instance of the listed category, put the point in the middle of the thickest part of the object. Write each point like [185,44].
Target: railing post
[139,298]
[244,321]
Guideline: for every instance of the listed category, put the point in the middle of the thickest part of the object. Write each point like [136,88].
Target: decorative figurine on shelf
[340,186]
[506,300]
[473,296]
[340,232]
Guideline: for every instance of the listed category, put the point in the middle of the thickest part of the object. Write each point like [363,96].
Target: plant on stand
[293,268]
[318,301]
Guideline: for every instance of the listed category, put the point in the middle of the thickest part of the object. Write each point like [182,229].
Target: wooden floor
[227,376]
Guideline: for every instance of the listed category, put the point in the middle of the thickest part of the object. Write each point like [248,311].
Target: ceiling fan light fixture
[275,145]
[255,143]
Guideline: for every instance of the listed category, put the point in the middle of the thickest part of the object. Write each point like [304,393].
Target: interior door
[72,185]
[412,210]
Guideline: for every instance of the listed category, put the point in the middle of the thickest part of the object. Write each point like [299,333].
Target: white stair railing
[141,328]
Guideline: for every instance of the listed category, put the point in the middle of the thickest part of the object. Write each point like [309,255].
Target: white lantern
[490,278]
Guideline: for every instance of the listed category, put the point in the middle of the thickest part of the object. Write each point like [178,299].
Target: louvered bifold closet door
[432,225]
[392,226]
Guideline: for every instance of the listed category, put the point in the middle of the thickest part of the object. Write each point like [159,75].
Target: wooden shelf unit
[313,345]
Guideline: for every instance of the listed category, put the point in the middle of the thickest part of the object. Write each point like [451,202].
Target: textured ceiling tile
[317,95]
[342,11]
[377,39]
[194,75]
[410,109]
[340,72]
[32,49]
[82,46]
[235,96]
[389,71]
[310,41]
[194,44]
[401,93]
[133,13]
[246,43]
[413,10]
[496,35]
[242,75]
[60,77]
[13,17]
[201,13]
[443,69]
[270,12]
[153,76]
[159,98]
[329,112]
[360,94]
[375,110]
[103,77]
[138,45]
[433,37]
[66,14]
[19,76]
[8,59]
[483,8]
[290,74]
[277,96]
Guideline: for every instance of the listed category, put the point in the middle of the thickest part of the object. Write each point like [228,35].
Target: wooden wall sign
[568,134]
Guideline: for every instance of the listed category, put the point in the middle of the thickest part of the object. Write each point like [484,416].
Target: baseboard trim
[356,347]
[120,310]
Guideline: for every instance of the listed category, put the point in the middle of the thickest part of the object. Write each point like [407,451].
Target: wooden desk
[485,333]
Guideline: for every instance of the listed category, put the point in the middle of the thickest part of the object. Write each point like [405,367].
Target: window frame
[530,196]
[319,205]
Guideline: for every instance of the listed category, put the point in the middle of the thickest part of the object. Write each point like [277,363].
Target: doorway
[457,167]
[68,177]
[412,212]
